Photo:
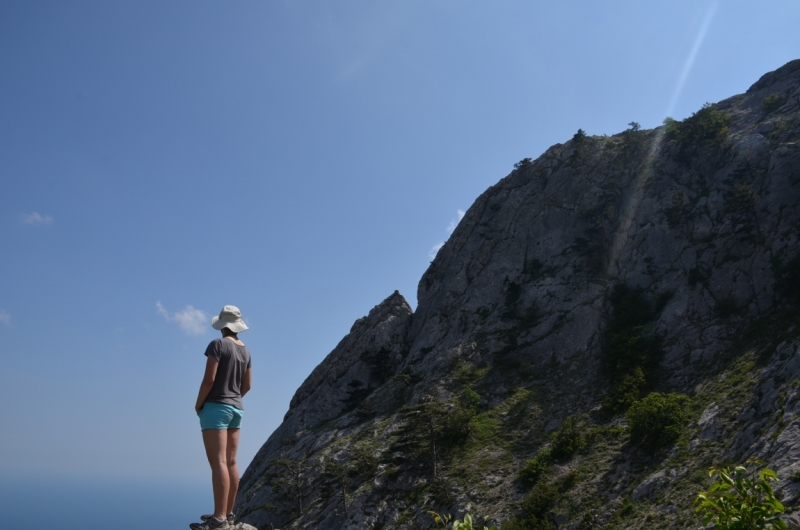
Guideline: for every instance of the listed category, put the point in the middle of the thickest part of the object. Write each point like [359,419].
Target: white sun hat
[230,317]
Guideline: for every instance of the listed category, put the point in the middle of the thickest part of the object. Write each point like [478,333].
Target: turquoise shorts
[215,415]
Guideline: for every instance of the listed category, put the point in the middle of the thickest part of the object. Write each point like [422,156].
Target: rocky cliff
[653,262]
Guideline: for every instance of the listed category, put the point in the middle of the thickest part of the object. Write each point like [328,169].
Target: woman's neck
[229,334]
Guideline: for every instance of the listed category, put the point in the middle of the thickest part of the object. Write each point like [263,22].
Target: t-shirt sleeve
[213,350]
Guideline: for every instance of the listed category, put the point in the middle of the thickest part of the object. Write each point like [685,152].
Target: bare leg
[216,441]
[233,468]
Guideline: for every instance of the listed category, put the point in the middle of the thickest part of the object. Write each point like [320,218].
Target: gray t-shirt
[234,360]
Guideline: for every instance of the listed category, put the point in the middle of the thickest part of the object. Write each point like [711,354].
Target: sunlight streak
[645,172]
[687,65]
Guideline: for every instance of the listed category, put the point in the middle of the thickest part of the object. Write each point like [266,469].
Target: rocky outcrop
[361,363]
[698,219]
[365,359]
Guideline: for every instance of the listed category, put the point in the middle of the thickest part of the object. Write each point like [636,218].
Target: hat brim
[236,326]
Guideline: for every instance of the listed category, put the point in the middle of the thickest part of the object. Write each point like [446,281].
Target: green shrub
[708,127]
[454,426]
[440,492]
[567,440]
[741,200]
[740,501]
[771,103]
[534,468]
[671,127]
[525,162]
[470,398]
[466,372]
[656,420]
[535,510]
[403,378]
[624,511]
[625,392]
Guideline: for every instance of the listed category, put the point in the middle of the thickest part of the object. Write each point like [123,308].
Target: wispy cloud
[5,318]
[35,218]
[191,320]
[450,228]
[435,249]
[454,223]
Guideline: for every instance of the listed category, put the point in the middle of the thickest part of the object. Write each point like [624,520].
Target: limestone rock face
[440,408]
[363,361]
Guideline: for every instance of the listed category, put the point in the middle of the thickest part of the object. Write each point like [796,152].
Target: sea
[102,504]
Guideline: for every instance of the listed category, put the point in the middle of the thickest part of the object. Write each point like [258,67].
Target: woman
[219,405]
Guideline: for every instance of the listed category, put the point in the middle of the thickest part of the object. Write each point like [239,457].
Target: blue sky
[298,159]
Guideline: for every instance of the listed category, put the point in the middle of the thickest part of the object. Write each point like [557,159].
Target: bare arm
[247,381]
[208,381]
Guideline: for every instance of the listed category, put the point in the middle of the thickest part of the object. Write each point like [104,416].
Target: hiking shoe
[231,518]
[212,523]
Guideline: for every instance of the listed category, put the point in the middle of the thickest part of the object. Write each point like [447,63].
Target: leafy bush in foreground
[736,501]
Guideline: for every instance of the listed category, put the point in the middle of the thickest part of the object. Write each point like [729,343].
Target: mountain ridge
[520,315]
